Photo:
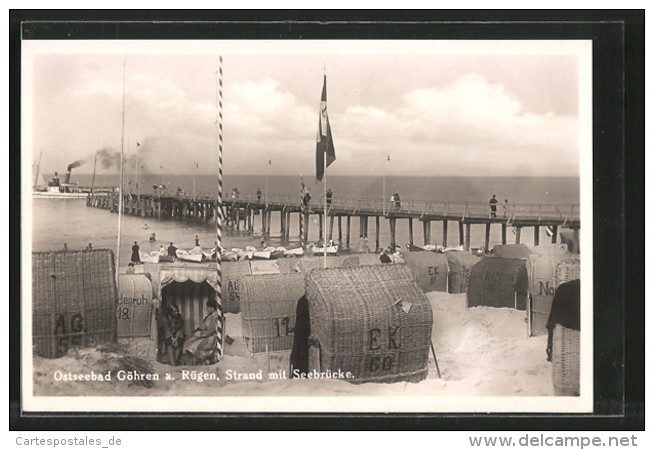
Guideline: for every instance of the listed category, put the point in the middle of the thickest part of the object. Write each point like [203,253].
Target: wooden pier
[242,211]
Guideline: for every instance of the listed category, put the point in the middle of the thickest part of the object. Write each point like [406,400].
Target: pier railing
[563,213]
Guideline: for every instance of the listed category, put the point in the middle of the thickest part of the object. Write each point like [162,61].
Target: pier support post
[487,240]
[518,230]
[269,225]
[282,222]
[348,231]
[445,233]
[575,236]
[331,227]
[392,221]
[426,231]
[536,235]
[340,230]
[377,247]
[555,231]
[503,234]
[467,244]
[411,231]
[461,240]
[263,221]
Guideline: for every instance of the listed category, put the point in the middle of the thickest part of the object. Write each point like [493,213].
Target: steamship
[58,189]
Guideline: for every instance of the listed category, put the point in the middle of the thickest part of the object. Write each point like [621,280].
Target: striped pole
[219,204]
[302,209]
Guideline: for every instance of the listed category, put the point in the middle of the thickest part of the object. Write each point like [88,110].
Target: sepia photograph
[339,226]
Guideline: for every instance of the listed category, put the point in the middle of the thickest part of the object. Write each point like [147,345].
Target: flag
[324,144]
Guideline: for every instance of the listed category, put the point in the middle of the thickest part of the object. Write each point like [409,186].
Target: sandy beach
[481,351]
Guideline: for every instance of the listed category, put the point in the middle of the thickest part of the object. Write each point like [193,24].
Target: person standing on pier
[493,206]
[505,207]
[258,195]
[136,258]
[172,250]
[197,240]
[329,197]
[397,200]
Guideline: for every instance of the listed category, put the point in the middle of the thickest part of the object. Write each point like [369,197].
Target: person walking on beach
[136,258]
[493,206]
[197,240]
[172,250]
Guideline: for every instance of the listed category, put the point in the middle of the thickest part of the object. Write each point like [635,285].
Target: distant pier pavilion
[242,211]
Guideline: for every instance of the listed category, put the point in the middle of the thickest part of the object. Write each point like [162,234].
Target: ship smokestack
[71,166]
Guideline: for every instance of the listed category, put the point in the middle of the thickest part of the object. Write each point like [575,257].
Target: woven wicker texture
[268,304]
[307,263]
[511,251]
[134,306]
[429,269]
[232,271]
[567,270]
[565,361]
[541,269]
[498,282]
[460,264]
[74,299]
[373,321]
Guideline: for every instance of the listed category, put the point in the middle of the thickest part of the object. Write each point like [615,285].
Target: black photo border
[618,193]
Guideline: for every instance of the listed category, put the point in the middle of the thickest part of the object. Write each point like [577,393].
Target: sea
[55,222]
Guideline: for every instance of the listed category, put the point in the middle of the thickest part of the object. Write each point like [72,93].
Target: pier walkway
[242,210]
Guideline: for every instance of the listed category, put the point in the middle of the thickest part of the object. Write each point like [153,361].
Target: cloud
[464,126]
[469,126]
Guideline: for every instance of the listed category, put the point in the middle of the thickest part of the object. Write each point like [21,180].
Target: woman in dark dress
[174,334]
[136,258]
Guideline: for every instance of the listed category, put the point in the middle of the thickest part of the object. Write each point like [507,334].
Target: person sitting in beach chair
[202,345]
[173,326]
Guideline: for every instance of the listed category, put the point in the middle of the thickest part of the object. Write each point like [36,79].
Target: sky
[437,108]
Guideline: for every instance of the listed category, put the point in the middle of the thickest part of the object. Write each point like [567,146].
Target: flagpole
[324,228]
[120,188]
[324,174]
[136,176]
